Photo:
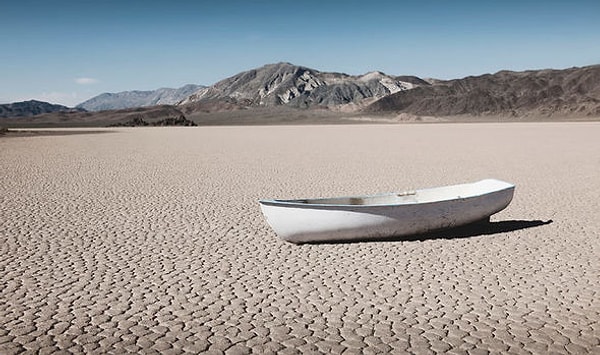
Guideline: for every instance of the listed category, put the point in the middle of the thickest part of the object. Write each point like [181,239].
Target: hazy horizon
[66,52]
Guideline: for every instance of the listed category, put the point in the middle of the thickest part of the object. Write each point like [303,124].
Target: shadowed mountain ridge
[32,108]
[573,92]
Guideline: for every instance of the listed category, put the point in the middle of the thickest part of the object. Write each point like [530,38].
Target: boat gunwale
[295,203]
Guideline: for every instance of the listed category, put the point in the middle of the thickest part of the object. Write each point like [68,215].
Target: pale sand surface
[152,239]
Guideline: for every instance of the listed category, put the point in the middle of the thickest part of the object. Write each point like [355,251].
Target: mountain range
[131,99]
[268,93]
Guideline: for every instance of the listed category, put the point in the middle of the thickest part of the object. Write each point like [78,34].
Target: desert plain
[151,240]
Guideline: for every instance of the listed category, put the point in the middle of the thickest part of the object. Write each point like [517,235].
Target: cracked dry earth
[152,241]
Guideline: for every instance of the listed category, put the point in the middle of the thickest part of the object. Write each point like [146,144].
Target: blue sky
[68,51]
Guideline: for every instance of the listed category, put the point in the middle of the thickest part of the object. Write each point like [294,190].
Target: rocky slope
[130,99]
[300,87]
[573,92]
[32,108]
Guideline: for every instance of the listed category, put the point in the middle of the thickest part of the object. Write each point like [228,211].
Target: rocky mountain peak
[297,86]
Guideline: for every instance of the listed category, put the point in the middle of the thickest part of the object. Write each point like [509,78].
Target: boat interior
[389,199]
[419,196]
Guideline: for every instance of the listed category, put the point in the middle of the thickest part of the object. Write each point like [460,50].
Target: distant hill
[32,108]
[131,99]
[161,115]
[300,87]
[573,92]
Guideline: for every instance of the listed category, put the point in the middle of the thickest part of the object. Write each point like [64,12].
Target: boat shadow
[484,228]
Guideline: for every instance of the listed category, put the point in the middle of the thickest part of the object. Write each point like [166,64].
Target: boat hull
[303,223]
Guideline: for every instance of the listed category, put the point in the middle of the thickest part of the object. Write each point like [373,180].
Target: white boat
[386,215]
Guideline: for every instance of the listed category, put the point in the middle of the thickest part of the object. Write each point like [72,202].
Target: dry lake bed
[151,240]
